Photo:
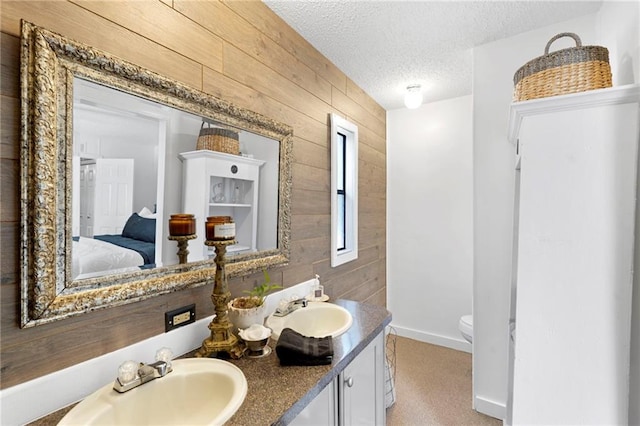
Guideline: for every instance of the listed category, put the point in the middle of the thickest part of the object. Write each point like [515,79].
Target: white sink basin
[199,391]
[318,319]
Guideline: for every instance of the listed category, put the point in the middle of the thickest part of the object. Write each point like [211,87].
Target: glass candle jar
[182,224]
[220,228]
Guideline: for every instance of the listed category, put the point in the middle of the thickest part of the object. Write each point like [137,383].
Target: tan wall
[239,51]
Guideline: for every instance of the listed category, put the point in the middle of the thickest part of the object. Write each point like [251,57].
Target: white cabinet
[362,387]
[574,267]
[322,410]
[356,396]
[219,184]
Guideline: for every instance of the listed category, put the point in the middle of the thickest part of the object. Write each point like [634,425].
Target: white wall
[268,150]
[634,382]
[615,26]
[182,136]
[429,211]
[619,30]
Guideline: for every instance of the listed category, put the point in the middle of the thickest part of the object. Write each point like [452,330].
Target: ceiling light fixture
[413,96]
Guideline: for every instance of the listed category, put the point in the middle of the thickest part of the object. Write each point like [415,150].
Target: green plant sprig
[259,292]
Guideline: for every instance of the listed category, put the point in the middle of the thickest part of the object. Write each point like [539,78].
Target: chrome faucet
[288,307]
[129,377]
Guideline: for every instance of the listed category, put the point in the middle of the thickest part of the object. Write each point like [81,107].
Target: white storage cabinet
[355,396]
[573,273]
[220,184]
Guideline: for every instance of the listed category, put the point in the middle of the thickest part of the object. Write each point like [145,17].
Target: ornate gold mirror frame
[49,62]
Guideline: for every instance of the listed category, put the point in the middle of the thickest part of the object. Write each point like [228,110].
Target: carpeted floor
[433,387]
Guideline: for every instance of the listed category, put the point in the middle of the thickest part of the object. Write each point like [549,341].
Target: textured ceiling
[384,46]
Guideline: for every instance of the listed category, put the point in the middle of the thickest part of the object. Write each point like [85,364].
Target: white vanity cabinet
[220,184]
[576,192]
[323,410]
[355,396]
[361,386]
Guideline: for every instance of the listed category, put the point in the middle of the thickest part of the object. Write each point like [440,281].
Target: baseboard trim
[489,407]
[435,339]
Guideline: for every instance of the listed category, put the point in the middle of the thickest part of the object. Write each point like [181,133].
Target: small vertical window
[341,195]
[344,191]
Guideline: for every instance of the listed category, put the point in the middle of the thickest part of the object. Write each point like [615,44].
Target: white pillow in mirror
[146,213]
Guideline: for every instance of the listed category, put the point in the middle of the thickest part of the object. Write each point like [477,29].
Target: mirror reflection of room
[130,174]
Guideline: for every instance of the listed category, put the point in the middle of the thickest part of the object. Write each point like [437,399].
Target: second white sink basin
[199,391]
[318,319]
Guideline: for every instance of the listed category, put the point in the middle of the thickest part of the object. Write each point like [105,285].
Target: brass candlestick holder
[222,338]
[183,244]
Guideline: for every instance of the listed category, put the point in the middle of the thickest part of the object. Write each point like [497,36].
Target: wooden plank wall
[239,51]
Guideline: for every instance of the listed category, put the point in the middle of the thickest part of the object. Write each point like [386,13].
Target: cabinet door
[321,411]
[362,387]
[574,265]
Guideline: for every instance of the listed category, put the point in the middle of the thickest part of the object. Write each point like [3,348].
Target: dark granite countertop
[276,395]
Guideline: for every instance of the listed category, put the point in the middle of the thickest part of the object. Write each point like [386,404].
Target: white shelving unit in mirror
[220,184]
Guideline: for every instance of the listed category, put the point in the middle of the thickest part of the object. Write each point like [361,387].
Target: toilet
[466,327]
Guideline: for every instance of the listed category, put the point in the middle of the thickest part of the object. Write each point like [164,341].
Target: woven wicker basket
[217,139]
[564,71]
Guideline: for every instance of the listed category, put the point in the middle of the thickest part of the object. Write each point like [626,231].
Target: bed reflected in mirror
[118,145]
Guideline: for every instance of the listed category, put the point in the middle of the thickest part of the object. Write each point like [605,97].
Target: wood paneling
[158,22]
[81,25]
[9,96]
[367,256]
[358,113]
[10,54]
[222,21]
[358,95]
[309,202]
[310,226]
[241,52]
[9,128]
[295,274]
[312,154]
[259,15]
[303,127]
[364,282]
[10,177]
[258,76]
[379,298]
[311,178]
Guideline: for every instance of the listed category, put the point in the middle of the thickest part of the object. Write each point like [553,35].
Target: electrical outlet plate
[179,317]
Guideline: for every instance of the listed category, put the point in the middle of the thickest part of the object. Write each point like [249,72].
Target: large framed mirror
[107,155]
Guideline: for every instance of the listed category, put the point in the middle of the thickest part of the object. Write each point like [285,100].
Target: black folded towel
[295,349]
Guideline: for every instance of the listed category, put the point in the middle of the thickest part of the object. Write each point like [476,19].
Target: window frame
[344,140]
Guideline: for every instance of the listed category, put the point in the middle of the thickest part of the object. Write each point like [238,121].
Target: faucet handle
[127,372]
[166,355]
